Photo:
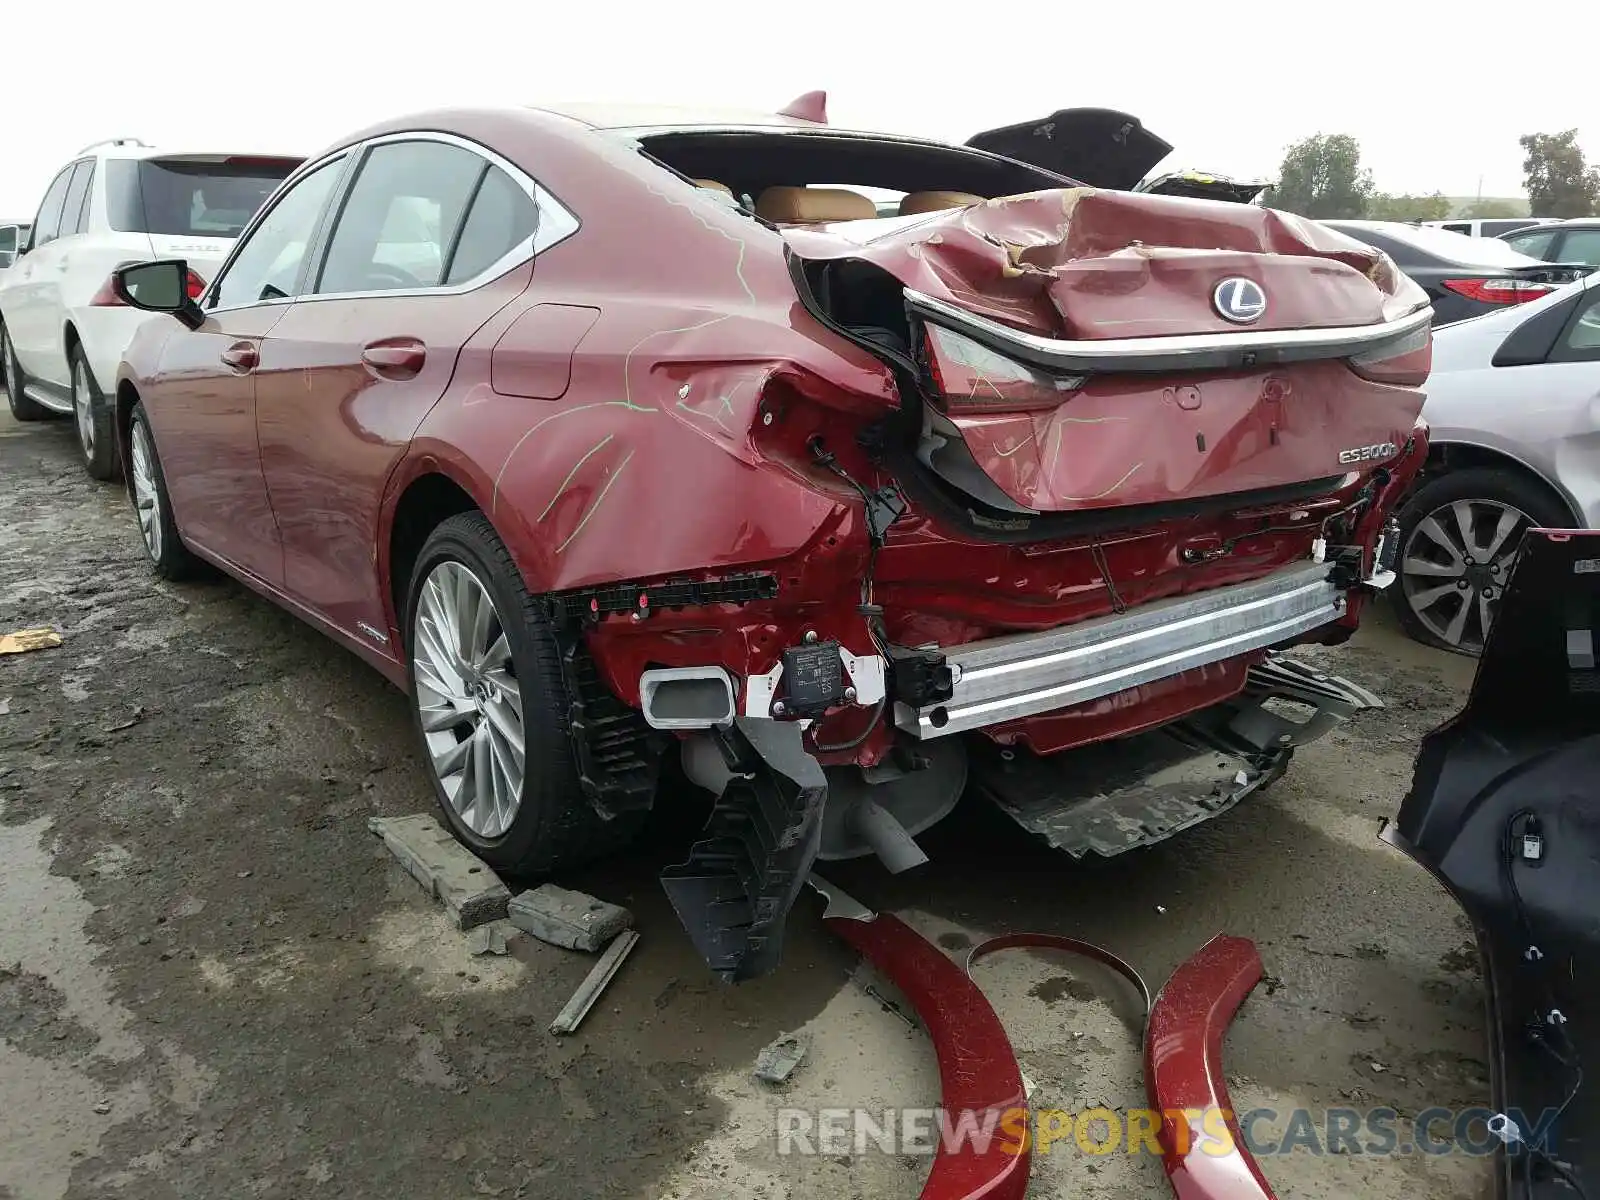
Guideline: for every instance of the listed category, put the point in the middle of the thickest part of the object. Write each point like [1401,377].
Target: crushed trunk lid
[1098,146]
[1090,350]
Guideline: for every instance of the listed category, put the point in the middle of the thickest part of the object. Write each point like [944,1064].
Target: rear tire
[1450,583]
[147,488]
[483,679]
[22,408]
[97,438]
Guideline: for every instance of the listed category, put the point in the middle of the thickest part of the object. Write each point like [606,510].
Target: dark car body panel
[1504,809]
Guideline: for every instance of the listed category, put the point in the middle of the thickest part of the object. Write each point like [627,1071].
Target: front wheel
[1459,537]
[491,706]
[147,487]
[22,408]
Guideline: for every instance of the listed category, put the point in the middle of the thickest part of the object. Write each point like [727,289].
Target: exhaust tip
[687,697]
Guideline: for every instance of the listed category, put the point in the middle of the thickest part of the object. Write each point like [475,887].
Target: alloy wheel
[13,372]
[82,407]
[1455,566]
[146,497]
[468,699]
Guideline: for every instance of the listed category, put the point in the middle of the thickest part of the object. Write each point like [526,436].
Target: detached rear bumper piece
[1183,1073]
[1004,678]
[979,1079]
[1504,810]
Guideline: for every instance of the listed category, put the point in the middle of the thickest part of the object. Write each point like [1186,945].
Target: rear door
[204,410]
[431,240]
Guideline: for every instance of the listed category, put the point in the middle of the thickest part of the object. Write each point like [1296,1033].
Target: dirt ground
[214,982]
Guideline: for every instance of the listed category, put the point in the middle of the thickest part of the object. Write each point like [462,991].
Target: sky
[1229,84]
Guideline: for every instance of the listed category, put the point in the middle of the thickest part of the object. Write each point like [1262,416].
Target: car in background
[617,433]
[1514,409]
[1463,276]
[1574,241]
[1487,227]
[62,328]
[13,236]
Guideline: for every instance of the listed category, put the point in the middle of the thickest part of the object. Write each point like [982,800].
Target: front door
[431,241]
[206,423]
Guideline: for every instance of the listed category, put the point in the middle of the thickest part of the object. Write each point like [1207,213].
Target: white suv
[62,330]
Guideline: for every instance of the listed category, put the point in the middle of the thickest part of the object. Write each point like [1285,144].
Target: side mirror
[159,287]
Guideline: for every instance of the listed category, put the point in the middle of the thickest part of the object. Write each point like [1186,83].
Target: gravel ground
[214,983]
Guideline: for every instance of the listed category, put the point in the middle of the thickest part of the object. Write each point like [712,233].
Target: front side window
[48,223]
[267,265]
[400,218]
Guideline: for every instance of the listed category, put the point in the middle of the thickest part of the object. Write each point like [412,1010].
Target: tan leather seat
[711,185]
[810,205]
[913,203]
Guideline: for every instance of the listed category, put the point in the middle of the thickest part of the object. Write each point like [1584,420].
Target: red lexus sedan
[612,433]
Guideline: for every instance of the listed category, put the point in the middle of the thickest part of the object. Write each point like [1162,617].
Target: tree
[1408,208]
[1322,177]
[1490,210]
[1560,183]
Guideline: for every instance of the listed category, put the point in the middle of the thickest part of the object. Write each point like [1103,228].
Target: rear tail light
[107,296]
[971,377]
[1499,291]
[1404,363]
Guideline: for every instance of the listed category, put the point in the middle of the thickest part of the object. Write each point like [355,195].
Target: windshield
[190,197]
[1453,247]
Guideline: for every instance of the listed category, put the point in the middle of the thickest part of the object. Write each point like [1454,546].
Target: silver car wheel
[468,699]
[1455,566]
[146,498]
[82,406]
[13,372]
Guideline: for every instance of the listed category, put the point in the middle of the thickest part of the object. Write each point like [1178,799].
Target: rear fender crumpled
[1084,263]
[1504,810]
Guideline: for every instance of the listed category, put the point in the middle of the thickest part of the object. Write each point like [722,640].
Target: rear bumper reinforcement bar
[1021,675]
[1180,352]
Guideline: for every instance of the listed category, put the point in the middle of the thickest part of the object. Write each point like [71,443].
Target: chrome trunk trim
[1022,675]
[1191,351]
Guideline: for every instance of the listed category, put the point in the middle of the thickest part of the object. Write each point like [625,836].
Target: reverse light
[970,376]
[1499,291]
[107,296]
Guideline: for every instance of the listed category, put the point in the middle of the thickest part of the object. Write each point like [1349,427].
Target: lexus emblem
[1239,300]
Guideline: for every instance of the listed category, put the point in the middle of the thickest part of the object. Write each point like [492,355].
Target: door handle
[394,358]
[241,357]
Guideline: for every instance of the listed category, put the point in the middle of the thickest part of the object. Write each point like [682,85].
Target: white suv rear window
[190,197]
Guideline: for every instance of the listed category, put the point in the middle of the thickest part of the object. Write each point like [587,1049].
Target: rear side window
[74,211]
[189,197]
[503,218]
[400,218]
[1581,246]
[47,225]
[1533,244]
[1583,337]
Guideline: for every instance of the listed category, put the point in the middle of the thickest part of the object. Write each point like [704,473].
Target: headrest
[913,203]
[711,185]
[803,205]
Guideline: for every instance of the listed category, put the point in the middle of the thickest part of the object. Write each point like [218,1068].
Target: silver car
[1514,406]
